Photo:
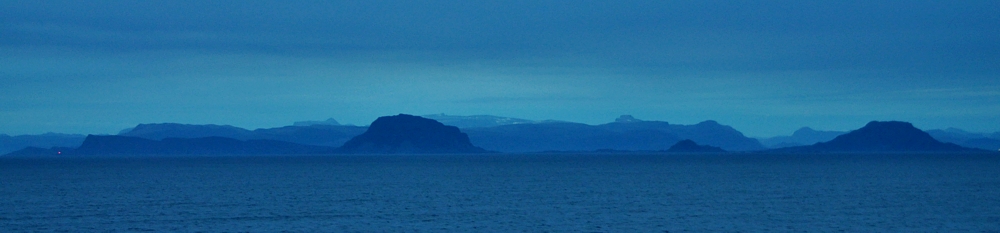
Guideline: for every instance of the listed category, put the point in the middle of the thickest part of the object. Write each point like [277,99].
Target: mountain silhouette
[625,134]
[966,139]
[475,121]
[328,121]
[802,136]
[48,140]
[111,145]
[316,134]
[173,130]
[689,146]
[881,136]
[407,134]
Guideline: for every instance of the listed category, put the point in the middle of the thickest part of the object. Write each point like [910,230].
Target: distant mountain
[48,140]
[877,136]
[476,120]
[562,136]
[95,145]
[707,132]
[317,134]
[966,139]
[802,136]
[626,133]
[407,134]
[173,130]
[688,146]
[329,121]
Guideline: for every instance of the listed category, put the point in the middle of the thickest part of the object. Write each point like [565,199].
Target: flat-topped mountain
[688,146]
[882,136]
[407,134]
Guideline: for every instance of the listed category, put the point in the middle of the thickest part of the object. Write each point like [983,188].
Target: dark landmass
[688,146]
[966,139]
[877,136]
[407,134]
[318,134]
[801,137]
[328,121]
[625,134]
[12,143]
[476,120]
[111,145]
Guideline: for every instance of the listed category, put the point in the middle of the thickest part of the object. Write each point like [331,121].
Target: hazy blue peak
[803,130]
[473,121]
[810,132]
[626,119]
[328,121]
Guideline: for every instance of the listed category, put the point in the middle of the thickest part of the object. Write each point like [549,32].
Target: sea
[559,192]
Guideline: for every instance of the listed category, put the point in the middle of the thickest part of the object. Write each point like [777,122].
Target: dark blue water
[617,193]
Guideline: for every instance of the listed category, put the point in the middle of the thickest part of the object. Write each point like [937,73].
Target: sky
[765,68]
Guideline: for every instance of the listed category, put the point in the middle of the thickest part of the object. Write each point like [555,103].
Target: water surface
[551,192]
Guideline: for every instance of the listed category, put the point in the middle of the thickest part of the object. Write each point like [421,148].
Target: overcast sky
[764,67]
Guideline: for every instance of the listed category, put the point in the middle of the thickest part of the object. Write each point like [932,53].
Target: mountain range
[801,137]
[490,133]
[47,140]
[626,133]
